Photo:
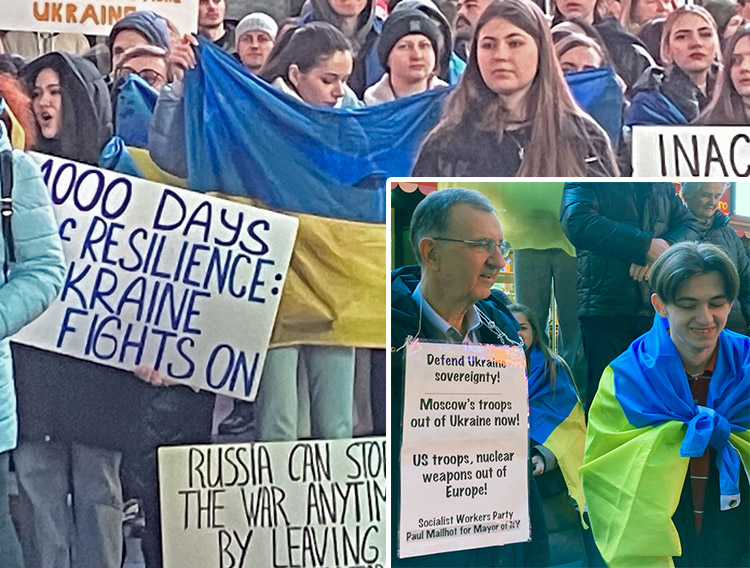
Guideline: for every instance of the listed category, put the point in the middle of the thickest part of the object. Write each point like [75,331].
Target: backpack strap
[6,206]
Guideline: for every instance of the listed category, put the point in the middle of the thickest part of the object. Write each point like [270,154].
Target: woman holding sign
[33,262]
[512,114]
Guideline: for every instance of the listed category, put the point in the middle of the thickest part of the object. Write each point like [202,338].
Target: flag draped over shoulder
[556,420]
[643,428]
[244,137]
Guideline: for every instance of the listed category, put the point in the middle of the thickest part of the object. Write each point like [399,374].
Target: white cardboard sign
[691,151]
[94,17]
[163,277]
[464,470]
[286,504]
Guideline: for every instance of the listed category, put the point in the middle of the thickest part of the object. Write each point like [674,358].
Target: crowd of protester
[503,71]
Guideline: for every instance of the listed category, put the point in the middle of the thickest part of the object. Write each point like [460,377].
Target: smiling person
[515,107]
[662,473]
[312,63]
[408,49]
[448,297]
[678,93]
[731,102]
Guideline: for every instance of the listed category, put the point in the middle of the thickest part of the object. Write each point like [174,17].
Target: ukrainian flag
[556,420]
[643,429]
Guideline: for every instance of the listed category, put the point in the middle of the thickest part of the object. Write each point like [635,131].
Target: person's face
[697,315]
[412,58]
[151,69]
[645,10]
[124,41]
[348,8]
[706,200]
[581,58]
[46,102]
[253,49]
[583,9]
[468,272]
[211,13]
[525,333]
[467,15]
[692,44]
[324,83]
[732,25]
[507,56]
[740,70]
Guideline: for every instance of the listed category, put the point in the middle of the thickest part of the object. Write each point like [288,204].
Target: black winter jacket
[629,54]
[611,225]
[726,238]
[405,322]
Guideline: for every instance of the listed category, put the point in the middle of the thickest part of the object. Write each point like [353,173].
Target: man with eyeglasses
[449,297]
[149,62]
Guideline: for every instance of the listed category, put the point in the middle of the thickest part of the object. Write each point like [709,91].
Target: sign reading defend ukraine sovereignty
[95,17]
[283,504]
[166,278]
[464,476]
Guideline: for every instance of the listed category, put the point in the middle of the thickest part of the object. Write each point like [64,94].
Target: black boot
[240,421]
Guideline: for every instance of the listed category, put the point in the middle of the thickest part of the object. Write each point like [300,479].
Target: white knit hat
[256,22]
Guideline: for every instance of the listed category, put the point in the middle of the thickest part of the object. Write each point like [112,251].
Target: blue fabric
[548,408]
[599,94]
[652,388]
[243,137]
[136,100]
[652,107]
[116,157]
[456,68]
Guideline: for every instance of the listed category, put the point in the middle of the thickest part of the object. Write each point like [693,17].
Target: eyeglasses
[487,246]
[151,77]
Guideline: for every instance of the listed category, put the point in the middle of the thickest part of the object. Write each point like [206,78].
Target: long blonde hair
[549,104]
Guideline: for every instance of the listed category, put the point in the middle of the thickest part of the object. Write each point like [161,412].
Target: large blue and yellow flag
[246,138]
[643,429]
[556,420]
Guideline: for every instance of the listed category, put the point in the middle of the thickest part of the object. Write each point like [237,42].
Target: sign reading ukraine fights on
[464,477]
[166,278]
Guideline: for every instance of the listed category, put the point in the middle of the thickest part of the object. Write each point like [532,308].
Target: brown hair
[548,103]
[19,104]
[727,108]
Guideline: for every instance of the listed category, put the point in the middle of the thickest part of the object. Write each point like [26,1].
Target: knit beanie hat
[402,23]
[256,22]
[149,24]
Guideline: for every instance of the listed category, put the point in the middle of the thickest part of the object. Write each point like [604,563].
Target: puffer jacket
[727,239]
[611,225]
[35,278]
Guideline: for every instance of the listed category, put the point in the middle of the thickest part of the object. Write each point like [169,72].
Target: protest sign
[157,276]
[284,504]
[464,453]
[95,17]
[691,151]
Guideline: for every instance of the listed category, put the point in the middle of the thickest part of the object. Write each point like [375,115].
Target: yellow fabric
[151,171]
[568,442]
[632,479]
[335,291]
[17,133]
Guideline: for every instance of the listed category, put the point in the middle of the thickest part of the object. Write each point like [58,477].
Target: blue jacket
[35,278]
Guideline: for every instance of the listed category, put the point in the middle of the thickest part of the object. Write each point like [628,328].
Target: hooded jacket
[611,225]
[367,68]
[405,322]
[629,54]
[86,106]
[33,281]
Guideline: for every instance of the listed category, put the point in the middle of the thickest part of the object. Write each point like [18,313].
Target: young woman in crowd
[514,106]
[408,49]
[33,274]
[731,102]
[312,63]
[577,52]
[678,93]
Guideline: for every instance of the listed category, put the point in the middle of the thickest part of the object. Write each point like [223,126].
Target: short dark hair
[432,214]
[687,260]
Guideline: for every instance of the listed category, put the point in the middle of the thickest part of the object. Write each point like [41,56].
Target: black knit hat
[402,23]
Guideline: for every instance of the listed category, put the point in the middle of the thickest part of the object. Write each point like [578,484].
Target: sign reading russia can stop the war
[93,17]
[464,452]
[162,277]
[318,504]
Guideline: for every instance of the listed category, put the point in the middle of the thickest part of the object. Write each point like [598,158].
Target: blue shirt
[449,333]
